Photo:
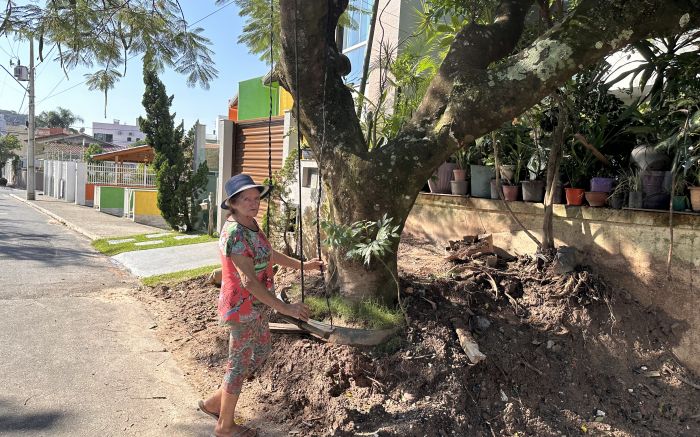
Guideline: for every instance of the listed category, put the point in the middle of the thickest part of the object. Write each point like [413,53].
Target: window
[357,60]
[128,139]
[104,137]
[361,17]
[355,40]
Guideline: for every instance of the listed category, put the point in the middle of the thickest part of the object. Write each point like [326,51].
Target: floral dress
[235,302]
[249,339]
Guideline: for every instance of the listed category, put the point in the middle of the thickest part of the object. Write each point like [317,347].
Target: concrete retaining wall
[110,200]
[629,246]
[146,210]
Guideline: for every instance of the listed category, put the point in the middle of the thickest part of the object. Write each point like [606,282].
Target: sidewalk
[143,263]
[85,220]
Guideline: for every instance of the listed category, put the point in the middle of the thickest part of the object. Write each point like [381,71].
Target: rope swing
[330,333]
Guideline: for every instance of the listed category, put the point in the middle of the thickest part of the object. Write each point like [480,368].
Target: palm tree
[60,117]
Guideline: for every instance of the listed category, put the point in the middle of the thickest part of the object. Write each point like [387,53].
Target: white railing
[122,174]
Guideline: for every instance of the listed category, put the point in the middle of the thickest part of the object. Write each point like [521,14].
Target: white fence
[124,174]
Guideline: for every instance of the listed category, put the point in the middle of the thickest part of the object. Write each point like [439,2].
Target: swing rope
[300,242]
[297,101]
[269,120]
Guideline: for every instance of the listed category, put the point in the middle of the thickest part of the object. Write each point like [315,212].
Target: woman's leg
[213,403]
[224,400]
[226,424]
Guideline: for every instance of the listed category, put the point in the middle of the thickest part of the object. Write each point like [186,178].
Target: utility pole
[30,149]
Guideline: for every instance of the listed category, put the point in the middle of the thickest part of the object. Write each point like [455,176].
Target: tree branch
[326,113]
[474,48]
[480,100]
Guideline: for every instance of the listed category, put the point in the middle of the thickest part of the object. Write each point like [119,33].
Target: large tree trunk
[471,95]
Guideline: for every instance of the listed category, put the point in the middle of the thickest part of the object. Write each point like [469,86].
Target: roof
[74,139]
[129,154]
[54,148]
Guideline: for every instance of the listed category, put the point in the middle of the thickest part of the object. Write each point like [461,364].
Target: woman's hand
[315,264]
[297,310]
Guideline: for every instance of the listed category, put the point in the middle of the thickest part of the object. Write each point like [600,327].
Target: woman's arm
[246,270]
[286,261]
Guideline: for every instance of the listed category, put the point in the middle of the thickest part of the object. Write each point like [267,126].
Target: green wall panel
[254,99]
[111,197]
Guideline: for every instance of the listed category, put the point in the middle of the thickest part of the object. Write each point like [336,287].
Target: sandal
[205,411]
[245,432]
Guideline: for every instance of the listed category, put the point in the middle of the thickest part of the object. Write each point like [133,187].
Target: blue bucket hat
[242,182]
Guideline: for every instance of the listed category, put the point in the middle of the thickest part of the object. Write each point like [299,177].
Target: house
[116,133]
[65,144]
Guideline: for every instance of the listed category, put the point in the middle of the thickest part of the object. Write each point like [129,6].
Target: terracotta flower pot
[695,198]
[510,192]
[574,196]
[596,198]
[459,174]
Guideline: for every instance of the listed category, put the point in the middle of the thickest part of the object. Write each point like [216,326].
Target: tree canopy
[59,117]
[8,145]
[105,34]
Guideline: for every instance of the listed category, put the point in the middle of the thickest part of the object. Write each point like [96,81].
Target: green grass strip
[103,245]
[368,313]
[175,277]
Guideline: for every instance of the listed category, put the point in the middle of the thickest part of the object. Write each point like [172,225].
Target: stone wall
[629,247]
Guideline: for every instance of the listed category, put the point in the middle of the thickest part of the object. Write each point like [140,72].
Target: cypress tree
[176,181]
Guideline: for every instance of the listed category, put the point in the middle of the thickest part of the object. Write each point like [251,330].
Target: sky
[53,89]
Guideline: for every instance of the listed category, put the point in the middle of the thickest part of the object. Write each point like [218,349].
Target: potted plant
[695,190]
[439,182]
[679,200]
[576,164]
[533,189]
[480,174]
[636,195]
[459,184]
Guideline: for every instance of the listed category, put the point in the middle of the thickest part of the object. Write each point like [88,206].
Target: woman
[246,285]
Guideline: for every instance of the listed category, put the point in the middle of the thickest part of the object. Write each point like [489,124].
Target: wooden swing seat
[334,334]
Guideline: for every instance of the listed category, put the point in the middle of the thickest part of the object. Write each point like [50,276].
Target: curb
[58,218]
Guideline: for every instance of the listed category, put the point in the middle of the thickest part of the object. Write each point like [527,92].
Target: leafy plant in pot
[533,189]
[480,175]
[695,191]
[459,184]
[634,184]
[576,164]
[517,146]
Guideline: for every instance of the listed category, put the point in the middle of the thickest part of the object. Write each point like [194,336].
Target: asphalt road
[78,356]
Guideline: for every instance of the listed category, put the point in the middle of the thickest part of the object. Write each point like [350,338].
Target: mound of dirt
[566,355]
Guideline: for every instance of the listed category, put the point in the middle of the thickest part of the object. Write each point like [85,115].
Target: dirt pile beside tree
[565,354]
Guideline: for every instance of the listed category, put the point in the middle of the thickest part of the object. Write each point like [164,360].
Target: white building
[116,133]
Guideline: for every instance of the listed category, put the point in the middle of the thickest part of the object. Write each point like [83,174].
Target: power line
[62,91]
[63,77]
[19,111]
[210,14]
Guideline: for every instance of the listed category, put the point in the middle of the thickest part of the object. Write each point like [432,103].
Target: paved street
[78,355]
